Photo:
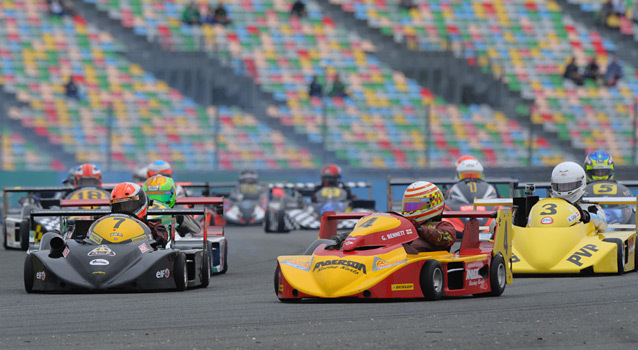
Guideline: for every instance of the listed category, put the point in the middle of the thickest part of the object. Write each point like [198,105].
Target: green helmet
[162,189]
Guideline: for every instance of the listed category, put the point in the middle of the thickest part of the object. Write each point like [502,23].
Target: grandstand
[389,120]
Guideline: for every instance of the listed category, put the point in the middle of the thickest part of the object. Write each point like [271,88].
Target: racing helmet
[140,173]
[159,167]
[422,201]
[70,176]
[330,174]
[469,169]
[128,198]
[87,175]
[161,188]
[599,165]
[464,157]
[568,182]
[248,176]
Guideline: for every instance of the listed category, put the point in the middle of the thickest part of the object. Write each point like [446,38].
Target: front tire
[180,274]
[432,280]
[24,234]
[498,276]
[620,254]
[28,273]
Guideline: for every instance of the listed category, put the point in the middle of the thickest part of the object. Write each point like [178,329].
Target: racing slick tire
[24,234]
[432,280]
[225,259]
[267,223]
[205,271]
[276,280]
[498,276]
[4,235]
[620,254]
[314,245]
[28,273]
[180,274]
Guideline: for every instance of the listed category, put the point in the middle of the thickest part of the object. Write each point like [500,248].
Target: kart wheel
[180,274]
[498,276]
[313,246]
[28,273]
[432,280]
[4,234]
[281,223]
[205,272]
[24,234]
[620,254]
[284,300]
[225,259]
[267,223]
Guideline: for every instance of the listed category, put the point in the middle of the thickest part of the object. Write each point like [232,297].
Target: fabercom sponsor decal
[348,265]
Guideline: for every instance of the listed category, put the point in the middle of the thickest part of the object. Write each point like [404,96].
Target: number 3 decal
[550,209]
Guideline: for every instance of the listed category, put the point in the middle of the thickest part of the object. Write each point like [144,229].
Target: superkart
[551,238]
[96,250]
[376,262]
[18,230]
[291,206]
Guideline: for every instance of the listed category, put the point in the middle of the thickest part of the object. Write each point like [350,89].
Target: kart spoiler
[217,201]
[102,212]
[443,182]
[531,186]
[308,188]
[592,200]
[329,219]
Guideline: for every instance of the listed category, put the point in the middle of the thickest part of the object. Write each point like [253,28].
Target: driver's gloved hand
[584,215]
[592,209]
[419,229]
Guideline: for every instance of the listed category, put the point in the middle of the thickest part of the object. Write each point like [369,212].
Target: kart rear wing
[307,188]
[103,212]
[441,182]
[593,200]
[29,190]
[330,219]
[218,202]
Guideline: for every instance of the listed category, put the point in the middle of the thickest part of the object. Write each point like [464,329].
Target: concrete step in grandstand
[281,53]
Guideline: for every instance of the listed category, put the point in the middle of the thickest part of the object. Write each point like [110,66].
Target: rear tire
[28,273]
[225,258]
[24,234]
[498,276]
[620,254]
[205,272]
[4,234]
[267,223]
[180,274]
[432,280]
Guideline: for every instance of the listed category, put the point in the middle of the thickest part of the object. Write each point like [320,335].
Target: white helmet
[568,181]
[469,169]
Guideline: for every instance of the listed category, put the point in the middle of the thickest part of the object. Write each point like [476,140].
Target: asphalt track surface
[240,310]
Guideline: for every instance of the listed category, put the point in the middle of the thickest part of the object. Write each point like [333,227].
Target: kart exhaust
[57,246]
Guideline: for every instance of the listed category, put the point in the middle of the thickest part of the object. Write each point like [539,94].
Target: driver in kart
[248,187]
[568,182]
[471,185]
[162,189]
[162,167]
[331,177]
[129,198]
[423,204]
[599,167]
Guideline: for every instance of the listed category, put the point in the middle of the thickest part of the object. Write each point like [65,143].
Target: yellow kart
[550,238]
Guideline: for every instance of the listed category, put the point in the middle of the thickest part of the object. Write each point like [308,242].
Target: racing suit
[434,236]
[341,185]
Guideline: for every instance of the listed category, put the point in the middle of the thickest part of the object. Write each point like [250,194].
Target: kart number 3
[550,209]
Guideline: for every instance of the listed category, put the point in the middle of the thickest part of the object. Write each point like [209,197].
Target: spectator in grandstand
[634,12]
[407,4]
[592,70]
[571,72]
[190,15]
[605,11]
[298,9]
[71,89]
[56,8]
[315,89]
[618,7]
[220,15]
[338,88]
[614,72]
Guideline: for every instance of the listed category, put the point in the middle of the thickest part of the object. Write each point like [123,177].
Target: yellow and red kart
[549,237]
[376,261]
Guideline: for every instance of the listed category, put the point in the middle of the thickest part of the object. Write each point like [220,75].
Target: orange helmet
[330,174]
[159,167]
[463,158]
[87,175]
[128,198]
